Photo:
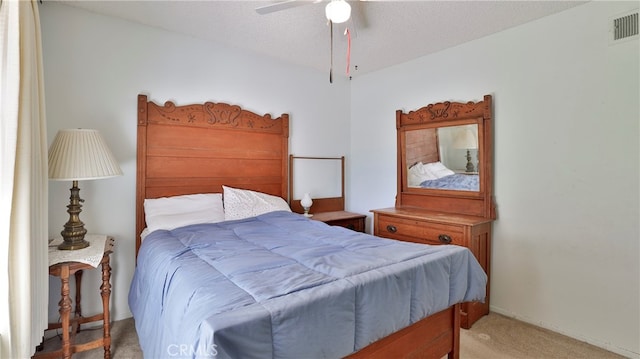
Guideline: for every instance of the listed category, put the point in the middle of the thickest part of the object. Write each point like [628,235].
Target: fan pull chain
[348,34]
[331,52]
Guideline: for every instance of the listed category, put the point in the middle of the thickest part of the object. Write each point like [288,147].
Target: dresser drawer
[435,233]
[419,231]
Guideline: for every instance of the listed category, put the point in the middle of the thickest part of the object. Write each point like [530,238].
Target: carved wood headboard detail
[198,148]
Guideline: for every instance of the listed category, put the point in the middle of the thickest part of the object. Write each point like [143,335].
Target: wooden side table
[71,326]
[350,220]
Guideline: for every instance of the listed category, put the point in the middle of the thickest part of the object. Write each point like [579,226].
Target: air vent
[625,26]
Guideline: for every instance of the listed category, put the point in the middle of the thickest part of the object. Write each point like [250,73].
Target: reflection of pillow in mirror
[438,170]
[415,176]
[242,203]
[177,211]
[426,173]
[419,173]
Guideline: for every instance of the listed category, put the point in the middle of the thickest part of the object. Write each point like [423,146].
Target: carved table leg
[105,290]
[65,311]
[78,310]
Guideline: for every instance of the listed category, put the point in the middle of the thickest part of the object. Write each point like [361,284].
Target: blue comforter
[458,181]
[282,286]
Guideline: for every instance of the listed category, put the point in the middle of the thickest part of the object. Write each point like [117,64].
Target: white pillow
[419,173]
[242,203]
[178,211]
[415,176]
[438,170]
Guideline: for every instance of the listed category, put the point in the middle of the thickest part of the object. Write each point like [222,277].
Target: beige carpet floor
[492,337]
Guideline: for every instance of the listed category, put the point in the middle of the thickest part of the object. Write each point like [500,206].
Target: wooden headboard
[198,148]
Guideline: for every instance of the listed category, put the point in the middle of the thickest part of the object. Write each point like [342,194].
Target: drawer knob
[392,229]
[443,238]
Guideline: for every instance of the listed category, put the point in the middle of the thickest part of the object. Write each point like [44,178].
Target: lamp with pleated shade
[75,155]
[466,139]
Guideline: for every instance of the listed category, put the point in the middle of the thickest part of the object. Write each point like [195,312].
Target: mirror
[443,157]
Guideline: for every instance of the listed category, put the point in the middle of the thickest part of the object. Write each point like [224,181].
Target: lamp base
[73,245]
[306,211]
[74,231]
[470,167]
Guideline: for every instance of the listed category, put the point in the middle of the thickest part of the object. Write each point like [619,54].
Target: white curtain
[24,283]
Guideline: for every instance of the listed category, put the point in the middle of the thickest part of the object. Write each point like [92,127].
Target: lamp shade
[306,201]
[81,154]
[465,139]
[338,11]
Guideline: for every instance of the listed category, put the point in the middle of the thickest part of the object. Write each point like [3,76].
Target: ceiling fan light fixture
[338,11]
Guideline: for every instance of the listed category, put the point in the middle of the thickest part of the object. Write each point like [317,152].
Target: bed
[272,283]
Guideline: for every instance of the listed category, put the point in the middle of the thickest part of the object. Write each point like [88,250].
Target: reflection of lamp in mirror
[306,203]
[466,139]
[79,154]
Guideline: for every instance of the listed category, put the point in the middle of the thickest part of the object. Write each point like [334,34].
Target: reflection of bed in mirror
[457,181]
[441,158]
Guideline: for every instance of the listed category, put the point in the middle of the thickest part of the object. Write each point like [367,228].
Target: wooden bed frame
[198,148]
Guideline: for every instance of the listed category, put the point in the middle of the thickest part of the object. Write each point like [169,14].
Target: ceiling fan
[336,11]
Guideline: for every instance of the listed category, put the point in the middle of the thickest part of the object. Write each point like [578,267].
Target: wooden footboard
[433,337]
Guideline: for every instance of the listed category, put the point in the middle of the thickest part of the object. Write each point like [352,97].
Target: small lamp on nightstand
[466,139]
[79,154]
[306,203]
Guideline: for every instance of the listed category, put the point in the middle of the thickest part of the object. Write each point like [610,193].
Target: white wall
[566,109]
[95,66]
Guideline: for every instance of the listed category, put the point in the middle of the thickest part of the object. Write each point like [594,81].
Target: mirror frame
[444,114]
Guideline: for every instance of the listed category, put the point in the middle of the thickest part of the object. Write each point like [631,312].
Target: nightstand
[350,220]
[63,264]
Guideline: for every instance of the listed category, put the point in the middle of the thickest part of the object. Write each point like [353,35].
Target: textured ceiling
[384,33]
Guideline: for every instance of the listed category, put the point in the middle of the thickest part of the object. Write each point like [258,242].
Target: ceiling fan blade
[283,5]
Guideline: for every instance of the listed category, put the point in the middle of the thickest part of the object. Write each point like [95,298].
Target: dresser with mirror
[445,183]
